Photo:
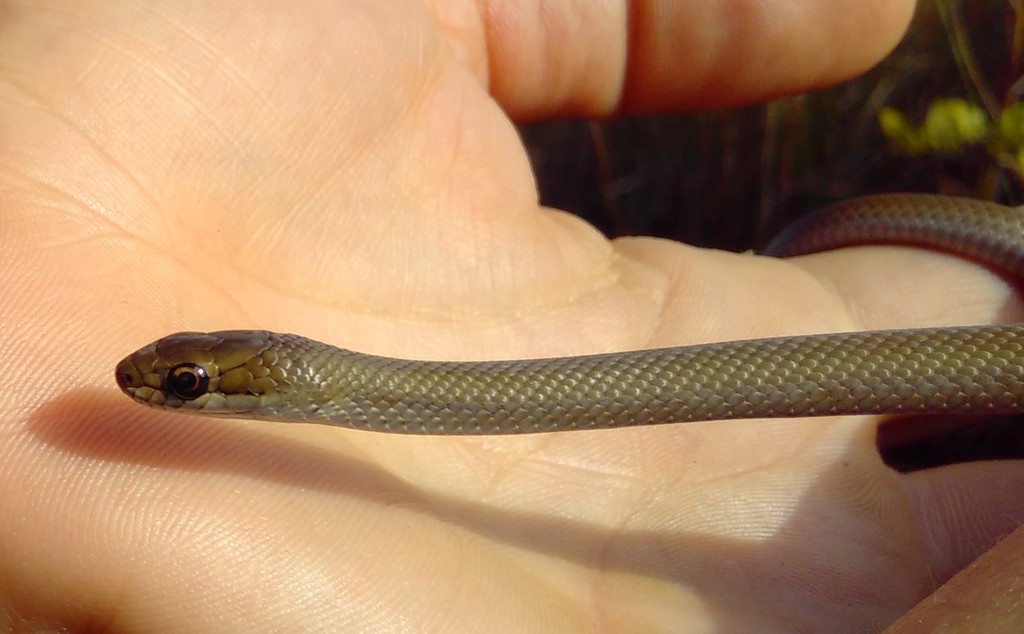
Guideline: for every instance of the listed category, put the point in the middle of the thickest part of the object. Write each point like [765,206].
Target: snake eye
[187,381]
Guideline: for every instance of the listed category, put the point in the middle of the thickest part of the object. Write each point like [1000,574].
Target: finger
[562,58]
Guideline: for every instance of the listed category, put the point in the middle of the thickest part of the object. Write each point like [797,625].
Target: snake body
[288,378]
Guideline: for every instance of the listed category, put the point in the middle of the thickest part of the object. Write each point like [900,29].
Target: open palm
[346,170]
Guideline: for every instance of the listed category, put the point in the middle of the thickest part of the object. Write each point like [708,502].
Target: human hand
[345,170]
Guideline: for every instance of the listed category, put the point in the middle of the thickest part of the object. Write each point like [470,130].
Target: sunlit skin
[347,170]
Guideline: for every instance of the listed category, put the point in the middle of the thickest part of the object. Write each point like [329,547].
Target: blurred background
[940,114]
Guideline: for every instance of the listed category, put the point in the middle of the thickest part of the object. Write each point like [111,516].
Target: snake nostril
[127,375]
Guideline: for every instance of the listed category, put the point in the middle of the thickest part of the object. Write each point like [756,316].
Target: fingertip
[736,52]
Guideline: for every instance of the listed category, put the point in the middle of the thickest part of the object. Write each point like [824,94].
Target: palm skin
[347,170]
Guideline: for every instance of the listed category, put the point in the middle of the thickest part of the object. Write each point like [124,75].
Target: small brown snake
[278,377]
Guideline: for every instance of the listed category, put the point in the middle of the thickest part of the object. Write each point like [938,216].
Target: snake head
[228,373]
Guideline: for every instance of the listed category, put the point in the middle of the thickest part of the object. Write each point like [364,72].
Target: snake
[262,375]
